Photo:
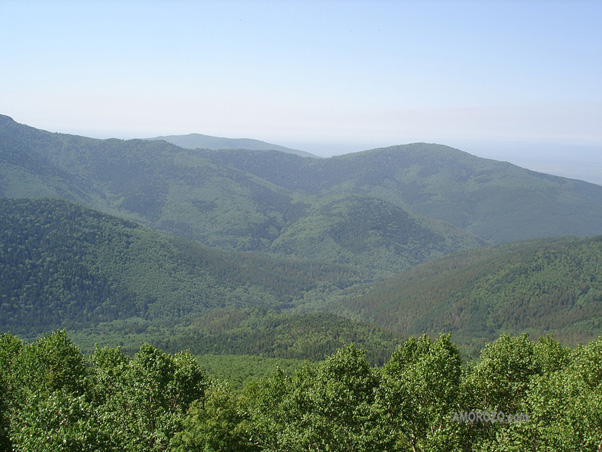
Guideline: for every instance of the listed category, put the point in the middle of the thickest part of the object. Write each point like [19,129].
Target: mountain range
[385,210]
[146,239]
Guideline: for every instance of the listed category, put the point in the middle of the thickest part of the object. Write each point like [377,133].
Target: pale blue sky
[326,77]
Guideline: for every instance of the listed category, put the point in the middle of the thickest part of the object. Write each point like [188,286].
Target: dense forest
[519,395]
[114,282]
[540,286]
[65,265]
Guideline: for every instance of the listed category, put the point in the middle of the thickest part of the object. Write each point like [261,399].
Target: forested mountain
[186,193]
[496,201]
[199,141]
[298,244]
[62,264]
[540,287]
[253,200]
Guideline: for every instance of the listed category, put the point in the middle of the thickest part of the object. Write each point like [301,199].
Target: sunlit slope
[542,286]
[153,182]
[369,232]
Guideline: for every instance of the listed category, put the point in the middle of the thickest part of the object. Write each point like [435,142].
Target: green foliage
[65,265]
[541,287]
[48,407]
[220,422]
[61,421]
[258,332]
[563,405]
[324,407]
[145,397]
[50,364]
[150,395]
[10,347]
[240,370]
[419,392]
[53,399]
[501,378]
[155,401]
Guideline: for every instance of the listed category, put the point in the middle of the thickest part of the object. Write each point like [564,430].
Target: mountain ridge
[259,200]
[188,193]
[65,264]
[200,141]
[447,184]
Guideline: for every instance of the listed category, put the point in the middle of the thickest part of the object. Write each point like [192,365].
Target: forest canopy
[518,395]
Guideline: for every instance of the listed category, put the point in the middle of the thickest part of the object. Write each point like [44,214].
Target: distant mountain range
[193,194]
[265,234]
[199,141]
[253,200]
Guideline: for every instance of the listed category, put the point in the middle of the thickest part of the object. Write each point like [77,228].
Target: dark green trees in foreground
[519,395]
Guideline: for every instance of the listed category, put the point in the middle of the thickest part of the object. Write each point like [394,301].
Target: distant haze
[566,160]
[516,81]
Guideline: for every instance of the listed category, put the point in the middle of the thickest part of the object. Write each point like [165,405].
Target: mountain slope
[496,201]
[114,282]
[65,265]
[187,193]
[542,286]
[199,141]
[369,232]
[272,202]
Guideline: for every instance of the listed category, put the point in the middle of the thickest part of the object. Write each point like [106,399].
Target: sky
[514,80]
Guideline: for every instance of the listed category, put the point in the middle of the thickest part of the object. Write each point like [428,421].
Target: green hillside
[114,282]
[369,232]
[246,200]
[65,265]
[539,287]
[186,193]
[496,201]
[370,213]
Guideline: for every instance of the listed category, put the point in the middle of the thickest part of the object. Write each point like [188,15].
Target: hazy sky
[325,76]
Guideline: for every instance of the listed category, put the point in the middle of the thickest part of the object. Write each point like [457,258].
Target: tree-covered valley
[157,297]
